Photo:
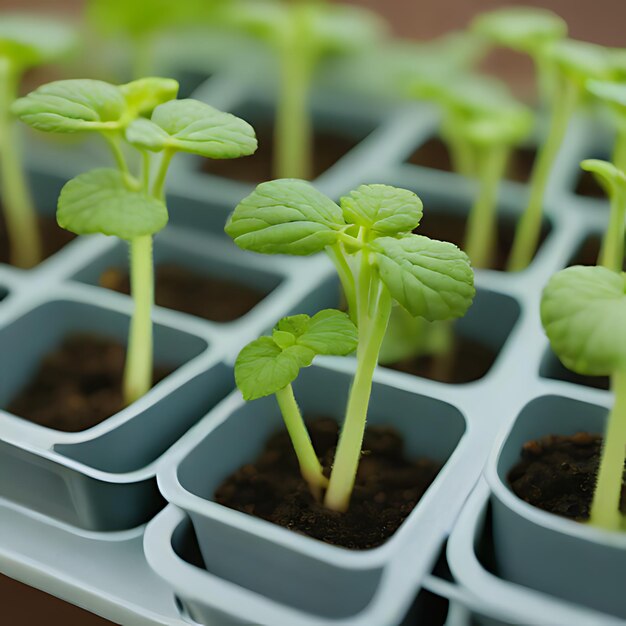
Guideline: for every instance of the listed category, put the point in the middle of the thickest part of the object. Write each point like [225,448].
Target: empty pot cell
[334,135]
[434,154]
[45,189]
[63,363]
[549,462]
[401,425]
[189,279]
[200,214]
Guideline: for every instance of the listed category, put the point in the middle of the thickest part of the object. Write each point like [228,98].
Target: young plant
[379,260]
[302,34]
[25,42]
[583,311]
[121,203]
[574,64]
[269,365]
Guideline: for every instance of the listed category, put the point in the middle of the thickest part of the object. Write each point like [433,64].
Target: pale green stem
[346,277]
[138,370]
[546,75]
[619,149]
[293,144]
[371,334]
[528,229]
[307,459]
[612,253]
[480,234]
[158,188]
[113,139]
[146,163]
[462,154]
[605,511]
[19,211]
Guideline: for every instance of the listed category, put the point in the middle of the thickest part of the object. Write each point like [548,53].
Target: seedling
[302,34]
[583,311]
[119,202]
[574,64]
[25,43]
[379,260]
[269,365]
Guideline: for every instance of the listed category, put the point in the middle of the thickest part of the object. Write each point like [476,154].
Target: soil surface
[78,385]
[53,237]
[387,488]
[183,290]
[434,153]
[558,474]
[467,360]
[328,148]
[445,225]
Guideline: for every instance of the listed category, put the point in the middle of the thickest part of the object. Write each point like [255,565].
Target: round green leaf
[505,128]
[430,279]
[583,311]
[285,216]
[143,95]
[580,61]
[195,127]
[382,208]
[68,106]
[612,94]
[101,201]
[330,332]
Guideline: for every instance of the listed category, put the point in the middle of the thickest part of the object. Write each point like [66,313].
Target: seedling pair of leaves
[379,261]
[121,203]
[302,34]
[25,42]
[583,311]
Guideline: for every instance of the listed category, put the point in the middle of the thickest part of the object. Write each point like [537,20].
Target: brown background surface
[600,21]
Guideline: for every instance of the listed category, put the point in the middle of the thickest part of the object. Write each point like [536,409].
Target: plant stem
[605,511]
[293,132]
[372,330]
[480,234]
[619,149]
[346,277]
[158,188]
[461,151]
[19,211]
[612,252]
[309,463]
[138,370]
[529,227]
[113,139]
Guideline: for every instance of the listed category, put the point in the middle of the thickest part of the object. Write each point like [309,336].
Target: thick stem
[307,459]
[529,227]
[480,235]
[19,211]
[293,143]
[371,334]
[138,370]
[612,253]
[605,511]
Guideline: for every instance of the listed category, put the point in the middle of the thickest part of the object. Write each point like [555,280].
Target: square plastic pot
[569,560]
[102,478]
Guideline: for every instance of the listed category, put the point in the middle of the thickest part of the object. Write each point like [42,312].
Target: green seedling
[25,42]
[302,34]
[121,203]
[574,63]
[528,30]
[379,260]
[613,95]
[269,365]
[583,311]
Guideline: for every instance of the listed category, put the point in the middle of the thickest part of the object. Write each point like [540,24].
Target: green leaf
[526,29]
[382,208]
[263,368]
[285,216]
[612,94]
[608,176]
[583,311]
[28,40]
[69,106]
[430,279]
[195,127]
[330,332]
[508,127]
[143,95]
[580,61]
[101,201]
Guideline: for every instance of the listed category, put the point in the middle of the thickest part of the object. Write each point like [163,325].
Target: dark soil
[558,474]
[587,185]
[77,386]
[328,148]
[448,226]
[53,237]
[467,360]
[434,154]
[387,488]
[183,290]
